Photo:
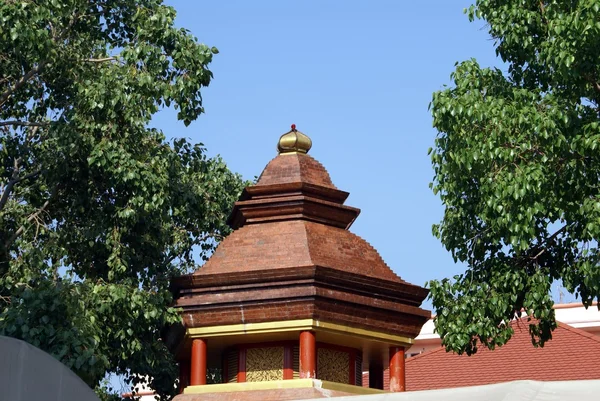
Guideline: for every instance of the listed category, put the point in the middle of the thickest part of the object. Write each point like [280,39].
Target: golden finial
[294,141]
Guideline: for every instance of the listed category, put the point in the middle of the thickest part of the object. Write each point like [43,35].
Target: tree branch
[35,70]
[8,188]
[23,124]
[592,82]
[197,241]
[540,249]
[5,299]
[16,169]
[99,60]
[30,218]
[39,67]
[13,180]
[543,12]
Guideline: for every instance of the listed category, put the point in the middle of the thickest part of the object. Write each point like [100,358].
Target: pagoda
[292,305]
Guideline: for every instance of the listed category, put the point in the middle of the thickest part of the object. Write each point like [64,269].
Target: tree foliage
[97,209]
[517,165]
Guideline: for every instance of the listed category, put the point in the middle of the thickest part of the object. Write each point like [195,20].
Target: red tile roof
[572,354]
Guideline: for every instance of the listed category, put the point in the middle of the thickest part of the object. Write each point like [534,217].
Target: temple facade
[292,305]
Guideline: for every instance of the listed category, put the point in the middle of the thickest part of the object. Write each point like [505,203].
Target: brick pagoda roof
[291,256]
[572,354]
[295,216]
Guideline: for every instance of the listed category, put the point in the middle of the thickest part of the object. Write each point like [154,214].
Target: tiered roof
[293,225]
[290,267]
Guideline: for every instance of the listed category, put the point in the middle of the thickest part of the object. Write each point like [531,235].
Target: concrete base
[298,389]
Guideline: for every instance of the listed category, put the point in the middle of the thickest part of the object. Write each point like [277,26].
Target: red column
[308,355]
[241,365]
[198,362]
[397,372]
[288,368]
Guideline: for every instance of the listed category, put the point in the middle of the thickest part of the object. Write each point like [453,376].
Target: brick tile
[295,168]
[572,354]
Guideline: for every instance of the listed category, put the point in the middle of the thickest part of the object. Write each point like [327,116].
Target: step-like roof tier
[295,167]
[291,256]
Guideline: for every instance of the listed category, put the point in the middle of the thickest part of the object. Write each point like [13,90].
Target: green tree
[517,162]
[97,210]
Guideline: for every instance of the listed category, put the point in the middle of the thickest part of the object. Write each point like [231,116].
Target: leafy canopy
[97,209]
[517,166]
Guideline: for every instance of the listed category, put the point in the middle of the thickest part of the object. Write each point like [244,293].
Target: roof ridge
[570,305]
[575,330]
[562,325]
[426,353]
[378,254]
[377,267]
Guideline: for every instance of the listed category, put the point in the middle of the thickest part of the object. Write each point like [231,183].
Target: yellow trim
[370,334]
[295,325]
[230,387]
[250,328]
[279,384]
[348,388]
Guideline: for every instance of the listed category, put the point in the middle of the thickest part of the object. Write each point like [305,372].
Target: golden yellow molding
[297,325]
[348,388]
[249,328]
[279,384]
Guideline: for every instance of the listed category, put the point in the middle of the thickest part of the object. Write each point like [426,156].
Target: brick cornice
[292,201]
[292,207]
[317,191]
[403,292]
[304,292]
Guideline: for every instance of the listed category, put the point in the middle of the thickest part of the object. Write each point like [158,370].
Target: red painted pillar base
[308,355]
[198,362]
[397,371]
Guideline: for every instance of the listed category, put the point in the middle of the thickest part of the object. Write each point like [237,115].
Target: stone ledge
[280,384]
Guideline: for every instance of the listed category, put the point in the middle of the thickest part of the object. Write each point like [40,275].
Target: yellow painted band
[369,334]
[348,388]
[295,325]
[230,387]
[250,328]
[279,384]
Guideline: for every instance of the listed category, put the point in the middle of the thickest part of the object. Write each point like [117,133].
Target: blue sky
[357,77]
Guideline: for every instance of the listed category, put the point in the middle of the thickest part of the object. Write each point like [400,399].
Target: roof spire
[294,142]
